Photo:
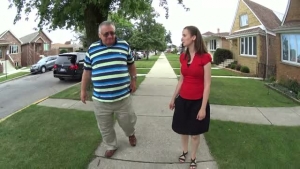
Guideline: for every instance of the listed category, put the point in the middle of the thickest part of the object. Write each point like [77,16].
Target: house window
[213,44]
[14,49]
[243,20]
[248,46]
[46,47]
[290,48]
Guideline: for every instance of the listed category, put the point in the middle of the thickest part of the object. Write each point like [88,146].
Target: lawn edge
[20,110]
[282,93]
[15,78]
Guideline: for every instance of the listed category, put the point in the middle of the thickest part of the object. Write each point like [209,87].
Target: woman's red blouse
[192,87]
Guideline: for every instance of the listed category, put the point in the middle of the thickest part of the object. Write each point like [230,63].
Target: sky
[207,15]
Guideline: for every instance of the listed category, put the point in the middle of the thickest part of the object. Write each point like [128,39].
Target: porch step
[226,63]
[7,66]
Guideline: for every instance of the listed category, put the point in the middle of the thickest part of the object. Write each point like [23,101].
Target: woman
[190,100]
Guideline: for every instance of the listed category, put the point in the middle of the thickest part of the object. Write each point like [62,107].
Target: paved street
[19,93]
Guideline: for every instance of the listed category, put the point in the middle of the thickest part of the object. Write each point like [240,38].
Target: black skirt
[185,114]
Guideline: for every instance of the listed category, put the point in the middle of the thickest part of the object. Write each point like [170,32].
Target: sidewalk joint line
[151,162]
[264,116]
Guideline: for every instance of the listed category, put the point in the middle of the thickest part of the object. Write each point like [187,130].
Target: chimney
[218,30]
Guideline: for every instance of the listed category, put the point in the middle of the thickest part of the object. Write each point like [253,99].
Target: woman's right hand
[172,104]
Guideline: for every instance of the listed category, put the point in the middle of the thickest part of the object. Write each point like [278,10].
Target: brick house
[252,35]
[34,46]
[288,44]
[9,43]
[217,40]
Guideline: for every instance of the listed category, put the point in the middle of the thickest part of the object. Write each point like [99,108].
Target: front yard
[46,137]
[238,145]
[12,76]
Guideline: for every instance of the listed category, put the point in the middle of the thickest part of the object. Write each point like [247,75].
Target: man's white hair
[106,23]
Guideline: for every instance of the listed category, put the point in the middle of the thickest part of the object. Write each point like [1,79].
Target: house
[287,49]
[10,51]
[217,40]
[56,48]
[252,36]
[35,46]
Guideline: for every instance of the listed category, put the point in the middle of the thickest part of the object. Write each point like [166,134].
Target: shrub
[245,69]
[292,85]
[233,66]
[63,51]
[298,96]
[238,67]
[222,54]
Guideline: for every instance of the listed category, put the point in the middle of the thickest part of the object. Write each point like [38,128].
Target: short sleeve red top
[193,82]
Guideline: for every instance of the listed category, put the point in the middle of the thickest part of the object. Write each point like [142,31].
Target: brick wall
[225,43]
[243,9]
[284,70]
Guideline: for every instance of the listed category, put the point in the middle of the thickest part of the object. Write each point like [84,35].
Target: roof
[265,15]
[256,30]
[210,34]
[28,38]
[3,33]
[269,19]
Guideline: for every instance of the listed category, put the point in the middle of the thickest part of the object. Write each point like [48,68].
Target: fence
[266,71]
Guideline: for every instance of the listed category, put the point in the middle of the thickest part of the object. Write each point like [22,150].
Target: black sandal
[182,157]
[193,164]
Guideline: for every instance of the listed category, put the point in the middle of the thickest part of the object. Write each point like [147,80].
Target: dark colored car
[44,64]
[69,66]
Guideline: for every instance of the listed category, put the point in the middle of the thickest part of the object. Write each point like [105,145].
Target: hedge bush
[233,66]
[238,67]
[245,69]
[221,55]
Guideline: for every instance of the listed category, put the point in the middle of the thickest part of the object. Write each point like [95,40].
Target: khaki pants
[104,112]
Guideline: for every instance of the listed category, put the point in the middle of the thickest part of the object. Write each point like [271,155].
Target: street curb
[14,78]
[36,102]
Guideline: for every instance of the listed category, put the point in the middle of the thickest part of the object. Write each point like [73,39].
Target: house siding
[252,20]
[293,11]
[250,61]
[29,54]
[9,37]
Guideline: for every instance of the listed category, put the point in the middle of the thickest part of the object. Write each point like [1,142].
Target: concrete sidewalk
[158,146]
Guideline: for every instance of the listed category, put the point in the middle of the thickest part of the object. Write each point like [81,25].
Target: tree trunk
[93,16]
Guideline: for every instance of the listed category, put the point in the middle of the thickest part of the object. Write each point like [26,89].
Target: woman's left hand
[201,114]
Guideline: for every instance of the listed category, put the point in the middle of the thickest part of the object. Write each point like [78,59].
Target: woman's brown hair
[199,45]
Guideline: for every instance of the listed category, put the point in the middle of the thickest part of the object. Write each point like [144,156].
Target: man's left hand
[133,86]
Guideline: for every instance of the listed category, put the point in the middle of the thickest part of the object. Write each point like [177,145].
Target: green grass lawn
[146,63]
[46,137]
[143,71]
[11,76]
[246,92]
[216,72]
[238,145]
[74,91]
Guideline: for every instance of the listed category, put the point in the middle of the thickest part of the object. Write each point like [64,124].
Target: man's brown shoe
[109,153]
[132,140]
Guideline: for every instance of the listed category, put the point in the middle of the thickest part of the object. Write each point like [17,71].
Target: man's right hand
[83,96]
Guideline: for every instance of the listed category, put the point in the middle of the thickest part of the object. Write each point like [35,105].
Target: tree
[169,37]
[148,34]
[81,15]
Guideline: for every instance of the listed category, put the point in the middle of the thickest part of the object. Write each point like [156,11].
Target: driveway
[19,93]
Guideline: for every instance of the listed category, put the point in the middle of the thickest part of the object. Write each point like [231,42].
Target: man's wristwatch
[133,77]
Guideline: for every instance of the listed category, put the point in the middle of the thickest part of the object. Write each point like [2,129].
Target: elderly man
[110,66]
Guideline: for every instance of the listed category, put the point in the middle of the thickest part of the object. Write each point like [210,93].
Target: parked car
[44,64]
[69,66]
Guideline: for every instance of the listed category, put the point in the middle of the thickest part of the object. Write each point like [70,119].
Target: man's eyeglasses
[106,34]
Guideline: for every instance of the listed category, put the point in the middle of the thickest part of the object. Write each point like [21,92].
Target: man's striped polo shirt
[109,66]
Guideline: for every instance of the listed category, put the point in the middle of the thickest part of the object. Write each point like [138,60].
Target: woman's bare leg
[195,145]
[185,142]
